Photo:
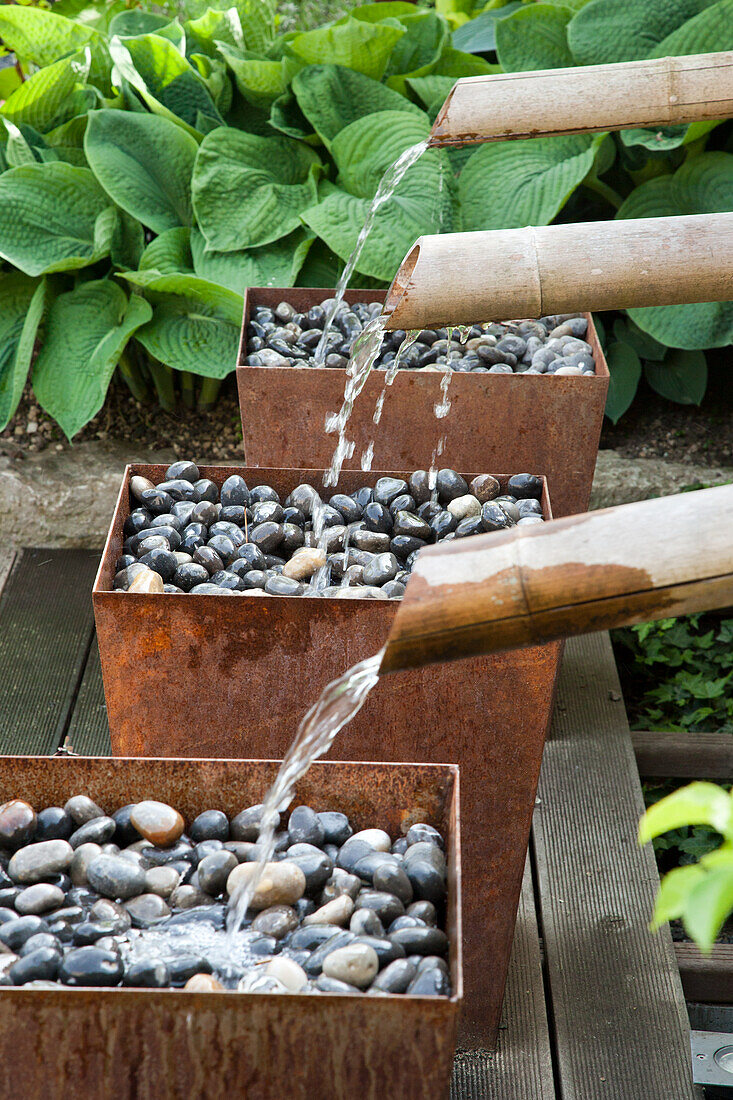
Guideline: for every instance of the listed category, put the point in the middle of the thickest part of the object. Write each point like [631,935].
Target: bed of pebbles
[552,345]
[187,535]
[138,899]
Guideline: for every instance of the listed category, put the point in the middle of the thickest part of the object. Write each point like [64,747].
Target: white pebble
[376,838]
[287,971]
[337,911]
[566,370]
[462,507]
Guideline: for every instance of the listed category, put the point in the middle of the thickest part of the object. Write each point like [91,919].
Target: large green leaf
[195,324]
[703,184]
[515,183]
[385,9]
[682,377]
[85,333]
[431,89]
[21,308]
[479,35]
[456,63]
[250,190]
[418,50]
[322,267]
[256,18]
[625,370]
[259,80]
[695,804]
[534,37]
[43,37]
[169,253]
[275,264]
[40,99]
[365,47]
[128,241]
[53,217]
[708,906]
[165,80]
[674,891]
[708,32]
[420,204]
[133,22]
[331,97]
[625,30]
[144,163]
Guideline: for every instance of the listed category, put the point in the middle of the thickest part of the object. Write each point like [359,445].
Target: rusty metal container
[190,675]
[134,1044]
[496,422]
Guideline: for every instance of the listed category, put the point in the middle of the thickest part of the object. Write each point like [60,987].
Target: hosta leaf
[275,264]
[708,32]
[695,804]
[85,333]
[43,96]
[704,184]
[643,344]
[682,377]
[144,163]
[703,325]
[388,9]
[322,266]
[419,49]
[331,97]
[364,47]
[195,324]
[625,370]
[517,183]
[128,241]
[43,37]
[169,253]
[430,89]
[133,22]
[22,144]
[215,76]
[256,18]
[216,28]
[625,30]
[479,35]
[260,81]
[21,308]
[166,81]
[456,63]
[420,204]
[250,190]
[53,217]
[708,906]
[534,37]
[664,138]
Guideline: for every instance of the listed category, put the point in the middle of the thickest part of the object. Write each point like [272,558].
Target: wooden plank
[706,977]
[620,1026]
[88,732]
[521,1066]
[675,755]
[46,624]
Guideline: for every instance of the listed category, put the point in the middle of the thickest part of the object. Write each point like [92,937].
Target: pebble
[40,898]
[276,921]
[337,911]
[36,862]
[161,881]
[281,884]
[90,966]
[203,983]
[114,877]
[17,824]
[147,909]
[214,870]
[356,963]
[83,856]
[288,973]
[157,822]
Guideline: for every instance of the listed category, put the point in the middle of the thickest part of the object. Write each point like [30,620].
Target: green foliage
[180,152]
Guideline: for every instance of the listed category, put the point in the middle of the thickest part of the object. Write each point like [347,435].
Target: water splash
[367,458]
[363,357]
[410,338]
[339,702]
[387,185]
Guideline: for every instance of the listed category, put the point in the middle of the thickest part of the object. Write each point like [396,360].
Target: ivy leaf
[195,324]
[364,47]
[695,804]
[682,377]
[625,370]
[533,37]
[275,264]
[85,333]
[144,163]
[53,217]
[626,30]
[509,184]
[250,190]
[22,301]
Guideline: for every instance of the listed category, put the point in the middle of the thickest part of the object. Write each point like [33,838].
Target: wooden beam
[683,755]
[706,977]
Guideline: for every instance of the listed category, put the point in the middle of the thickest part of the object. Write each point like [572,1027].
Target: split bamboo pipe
[461,278]
[660,92]
[530,585]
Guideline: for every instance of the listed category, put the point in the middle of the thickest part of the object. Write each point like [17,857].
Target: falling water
[391,373]
[340,701]
[363,357]
[387,185]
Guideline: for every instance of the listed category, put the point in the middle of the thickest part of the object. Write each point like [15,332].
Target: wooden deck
[594,1005]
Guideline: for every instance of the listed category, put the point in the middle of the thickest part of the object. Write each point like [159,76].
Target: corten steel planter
[188,675]
[135,1044]
[496,422]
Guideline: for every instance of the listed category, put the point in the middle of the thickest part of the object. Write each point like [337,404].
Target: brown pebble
[203,983]
[157,822]
[485,487]
[17,824]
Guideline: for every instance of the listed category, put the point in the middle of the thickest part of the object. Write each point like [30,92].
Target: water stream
[363,357]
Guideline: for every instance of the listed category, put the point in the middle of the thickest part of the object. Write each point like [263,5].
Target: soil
[652,428]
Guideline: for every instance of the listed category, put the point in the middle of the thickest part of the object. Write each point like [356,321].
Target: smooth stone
[36,862]
[187,896]
[140,485]
[377,839]
[387,488]
[53,823]
[386,906]
[81,809]
[256,982]
[412,526]
[40,965]
[288,972]
[276,921]
[97,831]
[90,966]
[17,824]
[352,851]
[210,825]
[355,963]
[387,950]
[377,518]
[107,910]
[394,590]
[493,517]
[267,536]
[337,911]
[83,856]
[148,581]
[485,487]
[340,883]
[470,526]
[14,933]
[368,864]
[246,825]
[314,963]
[420,832]
[283,586]
[382,568]
[393,880]
[157,822]
[214,870]
[242,849]
[450,485]
[360,592]
[463,507]
[374,542]
[305,827]
[523,486]
[336,827]
[40,939]
[91,932]
[424,910]
[40,898]
[282,883]
[365,922]
[203,983]
[313,862]
[396,976]
[114,877]
[147,909]
[432,982]
[332,985]
[148,974]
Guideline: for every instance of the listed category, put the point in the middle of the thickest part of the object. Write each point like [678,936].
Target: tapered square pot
[151,1044]
[210,675]
[496,422]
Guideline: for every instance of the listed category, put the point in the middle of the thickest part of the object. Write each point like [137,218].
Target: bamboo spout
[571,576]
[462,278]
[660,92]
